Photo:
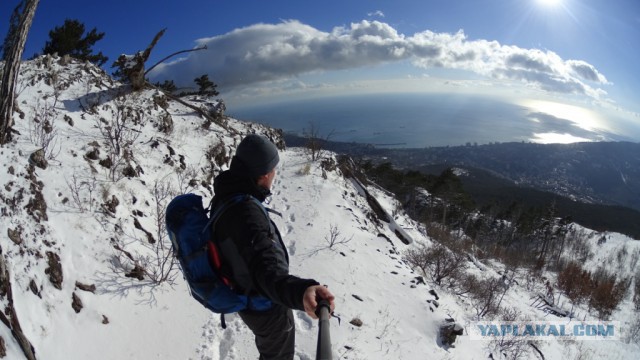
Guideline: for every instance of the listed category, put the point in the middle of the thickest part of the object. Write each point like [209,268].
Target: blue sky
[541,53]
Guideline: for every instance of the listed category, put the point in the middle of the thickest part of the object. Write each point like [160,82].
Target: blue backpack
[191,232]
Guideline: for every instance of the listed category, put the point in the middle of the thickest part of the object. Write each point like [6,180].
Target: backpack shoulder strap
[218,210]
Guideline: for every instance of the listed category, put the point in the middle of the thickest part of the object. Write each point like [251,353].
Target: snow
[130,319]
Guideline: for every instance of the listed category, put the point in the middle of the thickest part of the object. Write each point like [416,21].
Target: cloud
[268,52]
[586,71]
[377,13]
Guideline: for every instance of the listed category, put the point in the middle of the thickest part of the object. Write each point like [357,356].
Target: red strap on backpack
[214,256]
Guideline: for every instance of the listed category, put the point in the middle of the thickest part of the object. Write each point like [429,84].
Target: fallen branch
[195,108]
[537,350]
[12,321]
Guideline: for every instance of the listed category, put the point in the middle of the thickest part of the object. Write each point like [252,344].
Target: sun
[549,3]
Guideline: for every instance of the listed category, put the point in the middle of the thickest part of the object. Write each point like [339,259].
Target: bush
[486,296]
[607,293]
[575,282]
[509,345]
[315,142]
[437,262]
[305,170]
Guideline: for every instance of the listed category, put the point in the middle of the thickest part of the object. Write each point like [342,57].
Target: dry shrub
[486,296]
[305,170]
[607,292]
[437,262]
[575,282]
[509,345]
[440,233]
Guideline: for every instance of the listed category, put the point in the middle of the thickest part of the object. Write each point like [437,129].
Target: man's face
[266,181]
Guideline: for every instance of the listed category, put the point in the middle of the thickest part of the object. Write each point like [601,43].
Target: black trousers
[274,330]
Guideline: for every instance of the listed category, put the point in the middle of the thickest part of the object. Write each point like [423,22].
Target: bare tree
[507,344]
[438,262]
[13,48]
[315,143]
[42,130]
[334,238]
[162,267]
[486,296]
[120,132]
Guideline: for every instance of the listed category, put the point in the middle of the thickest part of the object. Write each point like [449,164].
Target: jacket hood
[230,183]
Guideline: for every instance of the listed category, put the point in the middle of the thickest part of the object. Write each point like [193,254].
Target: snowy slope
[126,318]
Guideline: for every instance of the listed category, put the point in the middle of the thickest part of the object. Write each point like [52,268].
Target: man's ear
[261,179]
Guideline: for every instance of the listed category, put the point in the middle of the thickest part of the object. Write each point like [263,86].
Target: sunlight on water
[581,117]
[555,138]
[422,120]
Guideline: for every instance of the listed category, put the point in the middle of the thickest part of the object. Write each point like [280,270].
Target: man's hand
[311,296]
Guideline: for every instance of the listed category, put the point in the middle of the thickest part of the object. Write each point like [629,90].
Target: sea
[398,120]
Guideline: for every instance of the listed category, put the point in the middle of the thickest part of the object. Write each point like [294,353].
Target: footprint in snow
[292,218]
[226,343]
[303,356]
[304,322]
[292,248]
[210,340]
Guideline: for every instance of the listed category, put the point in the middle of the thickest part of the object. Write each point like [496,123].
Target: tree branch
[204,47]
[12,321]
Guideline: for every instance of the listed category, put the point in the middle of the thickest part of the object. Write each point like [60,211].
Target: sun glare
[550,3]
[555,138]
[583,118]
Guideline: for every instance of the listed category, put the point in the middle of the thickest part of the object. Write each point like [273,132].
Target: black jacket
[256,258]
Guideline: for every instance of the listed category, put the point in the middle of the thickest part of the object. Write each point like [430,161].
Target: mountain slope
[95,212]
[93,217]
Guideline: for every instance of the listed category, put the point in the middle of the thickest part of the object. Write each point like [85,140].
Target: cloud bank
[267,52]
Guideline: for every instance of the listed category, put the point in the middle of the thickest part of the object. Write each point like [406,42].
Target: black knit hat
[255,156]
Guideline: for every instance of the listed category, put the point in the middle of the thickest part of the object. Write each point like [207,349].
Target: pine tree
[206,86]
[70,39]
[167,85]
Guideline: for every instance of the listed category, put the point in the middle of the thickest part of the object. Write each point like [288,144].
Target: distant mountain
[602,172]
[599,172]
[489,190]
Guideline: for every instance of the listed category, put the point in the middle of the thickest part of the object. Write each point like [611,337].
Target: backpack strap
[223,323]
[217,211]
[233,200]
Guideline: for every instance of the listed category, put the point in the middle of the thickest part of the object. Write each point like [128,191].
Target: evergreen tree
[70,39]
[206,86]
[167,85]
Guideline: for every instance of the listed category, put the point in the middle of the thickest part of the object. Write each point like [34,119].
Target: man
[262,267]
